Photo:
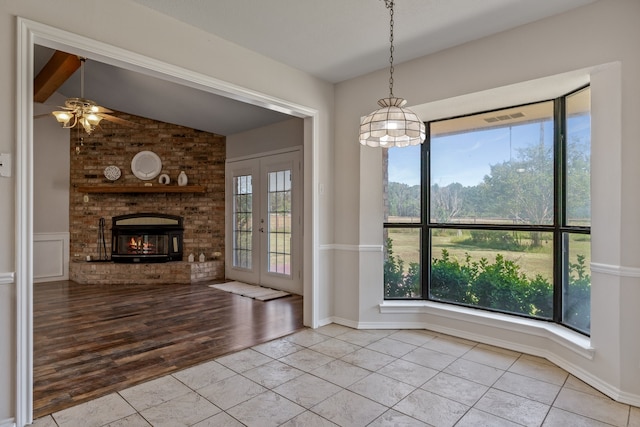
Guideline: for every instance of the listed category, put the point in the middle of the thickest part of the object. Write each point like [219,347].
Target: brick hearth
[179,272]
[200,154]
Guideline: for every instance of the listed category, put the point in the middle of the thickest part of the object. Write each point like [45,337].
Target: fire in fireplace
[146,237]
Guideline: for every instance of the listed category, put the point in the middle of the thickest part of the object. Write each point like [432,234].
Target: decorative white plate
[112,173]
[146,165]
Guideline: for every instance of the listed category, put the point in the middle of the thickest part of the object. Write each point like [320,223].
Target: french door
[263,201]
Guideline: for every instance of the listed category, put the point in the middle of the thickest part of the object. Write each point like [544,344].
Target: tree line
[519,191]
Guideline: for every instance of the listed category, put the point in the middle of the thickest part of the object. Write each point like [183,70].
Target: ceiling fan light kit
[391,125]
[80,111]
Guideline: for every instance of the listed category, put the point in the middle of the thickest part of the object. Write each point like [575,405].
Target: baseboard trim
[9,422]
[344,322]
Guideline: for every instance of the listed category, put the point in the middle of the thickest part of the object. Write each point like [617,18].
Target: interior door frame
[254,164]
[30,33]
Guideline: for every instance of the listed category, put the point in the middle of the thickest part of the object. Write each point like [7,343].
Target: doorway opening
[31,33]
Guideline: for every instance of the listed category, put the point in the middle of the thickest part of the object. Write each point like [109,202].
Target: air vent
[503,117]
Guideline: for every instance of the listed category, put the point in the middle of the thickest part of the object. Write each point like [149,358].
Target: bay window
[493,212]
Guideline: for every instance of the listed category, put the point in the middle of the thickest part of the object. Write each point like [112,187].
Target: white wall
[50,197]
[127,25]
[278,136]
[7,221]
[50,174]
[596,42]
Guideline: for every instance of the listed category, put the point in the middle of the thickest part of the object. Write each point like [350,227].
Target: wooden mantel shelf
[142,189]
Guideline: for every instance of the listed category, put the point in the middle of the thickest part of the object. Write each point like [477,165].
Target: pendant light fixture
[391,125]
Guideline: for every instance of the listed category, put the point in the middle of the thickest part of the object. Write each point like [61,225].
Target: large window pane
[493,168]
[576,307]
[402,263]
[242,221]
[279,224]
[402,184]
[498,270]
[578,108]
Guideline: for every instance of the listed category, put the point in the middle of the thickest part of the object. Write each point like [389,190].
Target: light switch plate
[5,164]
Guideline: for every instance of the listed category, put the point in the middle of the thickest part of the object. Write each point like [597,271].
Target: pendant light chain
[82,77]
[389,4]
[391,125]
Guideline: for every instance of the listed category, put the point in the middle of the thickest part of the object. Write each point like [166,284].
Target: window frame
[559,227]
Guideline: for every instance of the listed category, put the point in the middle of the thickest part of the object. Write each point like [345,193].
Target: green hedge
[498,286]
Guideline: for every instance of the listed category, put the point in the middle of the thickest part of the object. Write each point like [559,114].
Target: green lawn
[532,262]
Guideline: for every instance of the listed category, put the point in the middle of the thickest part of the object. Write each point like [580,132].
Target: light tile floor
[340,376]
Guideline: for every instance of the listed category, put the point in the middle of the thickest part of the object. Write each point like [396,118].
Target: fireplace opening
[146,237]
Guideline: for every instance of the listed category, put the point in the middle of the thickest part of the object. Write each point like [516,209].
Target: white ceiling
[334,40]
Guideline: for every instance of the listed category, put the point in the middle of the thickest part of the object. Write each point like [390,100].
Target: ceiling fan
[81,111]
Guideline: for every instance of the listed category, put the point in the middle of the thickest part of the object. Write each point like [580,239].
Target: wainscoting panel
[50,257]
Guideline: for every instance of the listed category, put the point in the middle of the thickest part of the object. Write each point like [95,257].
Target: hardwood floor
[92,340]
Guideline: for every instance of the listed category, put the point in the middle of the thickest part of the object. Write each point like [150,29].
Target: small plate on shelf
[146,165]
[112,173]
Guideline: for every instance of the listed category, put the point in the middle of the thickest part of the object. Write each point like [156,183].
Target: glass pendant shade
[392,126]
[63,117]
[93,119]
[89,122]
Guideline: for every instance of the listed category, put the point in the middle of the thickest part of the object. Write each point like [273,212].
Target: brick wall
[200,154]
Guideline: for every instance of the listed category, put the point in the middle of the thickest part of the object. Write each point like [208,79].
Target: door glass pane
[579,158]
[242,221]
[509,271]
[278,225]
[401,184]
[576,289]
[494,167]
[402,263]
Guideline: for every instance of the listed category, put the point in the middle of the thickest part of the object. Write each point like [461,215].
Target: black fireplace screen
[146,238]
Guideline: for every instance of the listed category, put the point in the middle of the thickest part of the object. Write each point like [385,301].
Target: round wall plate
[112,173]
[146,165]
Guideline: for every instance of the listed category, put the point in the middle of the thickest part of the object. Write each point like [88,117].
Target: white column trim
[24,225]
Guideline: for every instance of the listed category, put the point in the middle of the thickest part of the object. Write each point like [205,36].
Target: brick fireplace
[146,238]
[92,197]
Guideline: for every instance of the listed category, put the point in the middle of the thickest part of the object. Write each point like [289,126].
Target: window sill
[565,337]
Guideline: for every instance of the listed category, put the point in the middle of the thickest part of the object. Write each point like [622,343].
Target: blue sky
[466,157]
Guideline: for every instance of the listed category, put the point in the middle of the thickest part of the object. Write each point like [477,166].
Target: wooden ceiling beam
[59,68]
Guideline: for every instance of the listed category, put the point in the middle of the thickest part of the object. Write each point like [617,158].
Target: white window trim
[573,341]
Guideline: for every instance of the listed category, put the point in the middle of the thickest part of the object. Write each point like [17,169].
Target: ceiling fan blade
[102,110]
[119,121]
